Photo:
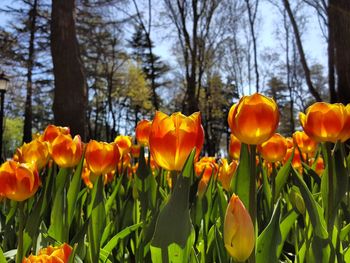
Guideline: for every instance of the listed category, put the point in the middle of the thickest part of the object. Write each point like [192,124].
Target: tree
[193,21]
[70,94]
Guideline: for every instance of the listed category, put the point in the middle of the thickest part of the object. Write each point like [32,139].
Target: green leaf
[285,227]
[266,187]
[57,222]
[113,242]
[112,197]
[98,219]
[269,239]
[282,176]
[313,208]
[241,180]
[73,191]
[174,222]
[2,257]
[344,232]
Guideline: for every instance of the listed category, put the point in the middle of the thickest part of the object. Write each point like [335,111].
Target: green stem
[20,233]
[273,179]
[330,188]
[252,191]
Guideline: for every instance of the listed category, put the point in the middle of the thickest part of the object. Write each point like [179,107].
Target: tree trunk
[27,128]
[331,54]
[306,69]
[340,26]
[70,94]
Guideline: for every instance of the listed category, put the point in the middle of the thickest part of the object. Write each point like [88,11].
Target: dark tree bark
[251,17]
[339,24]
[331,54]
[303,61]
[27,128]
[70,94]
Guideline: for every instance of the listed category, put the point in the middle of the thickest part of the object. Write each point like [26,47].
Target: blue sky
[314,44]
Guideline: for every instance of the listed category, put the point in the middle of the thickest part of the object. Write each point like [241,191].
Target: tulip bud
[67,152]
[274,149]
[124,144]
[59,254]
[305,143]
[36,152]
[239,234]
[101,157]
[18,181]
[254,119]
[142,132]
[172,139]
[324,122]
[235,147]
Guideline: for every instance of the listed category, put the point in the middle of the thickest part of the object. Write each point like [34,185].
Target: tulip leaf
[313,208]
[97,220]
[73,191]
[266,187]
[113,242]
[347,255]
[241,180]
[174,222]
[282,176]
[111,198]
[2,257]
[285,227]
[57,224]
[344,232]
[270,238]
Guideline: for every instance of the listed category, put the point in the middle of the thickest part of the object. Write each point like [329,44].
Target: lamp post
[4,81]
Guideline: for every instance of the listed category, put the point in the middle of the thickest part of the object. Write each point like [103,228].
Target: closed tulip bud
[142,132]
[239,237]
[59,254]
[226,172]
[52,131]
[324,122]
[235,147]
[274,149]
[18,181]
[296,162]
[172,139]
[254,119]
[36,152]
[101,157]
[67,152]
[305,143]
[124,144]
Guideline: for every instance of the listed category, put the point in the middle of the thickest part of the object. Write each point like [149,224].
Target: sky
[313,41]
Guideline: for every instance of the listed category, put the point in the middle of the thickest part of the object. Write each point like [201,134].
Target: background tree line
[93,65]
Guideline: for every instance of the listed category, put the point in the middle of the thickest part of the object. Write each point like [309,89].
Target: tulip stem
[330,188]
[19,255]
[252,192]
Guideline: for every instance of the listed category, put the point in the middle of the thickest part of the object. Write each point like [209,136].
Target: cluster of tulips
[158,200]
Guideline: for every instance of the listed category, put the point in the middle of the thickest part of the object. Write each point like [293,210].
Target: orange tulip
[89,178]
[206,166]
[324,122]
[235,147]
[226,172]
[135,150]
[305,143]
[125,163]
[36,152]
[239,237]
[274,149]
[296,162]
[290,142]
[142,132]
[101,157]
[254,119]
[319,166]
[52,131]
[51,254]
[345,134]
[67,152]
[172,138]
[124,144]
[18,181]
